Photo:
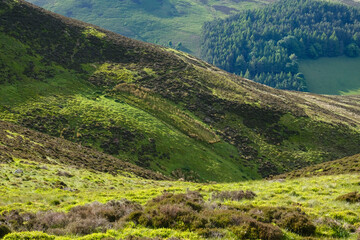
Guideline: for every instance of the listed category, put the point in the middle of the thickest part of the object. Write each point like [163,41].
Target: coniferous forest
[266,44]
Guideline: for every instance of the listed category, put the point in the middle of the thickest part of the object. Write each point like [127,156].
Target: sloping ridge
[21,143]
[159,108]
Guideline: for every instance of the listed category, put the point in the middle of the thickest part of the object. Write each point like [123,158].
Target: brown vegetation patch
[189,212]
[27,144]
[353,197]
[233,195]
[80,220]
[186,211]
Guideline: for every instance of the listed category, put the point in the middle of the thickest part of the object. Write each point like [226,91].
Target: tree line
[266,44]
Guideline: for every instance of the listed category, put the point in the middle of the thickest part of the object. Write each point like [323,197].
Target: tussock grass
[35,189]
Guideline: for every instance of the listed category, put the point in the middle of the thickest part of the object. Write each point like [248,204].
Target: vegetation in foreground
[253,45]
[67,202]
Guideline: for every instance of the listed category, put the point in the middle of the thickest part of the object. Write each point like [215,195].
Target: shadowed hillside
[21,143]
[159,108]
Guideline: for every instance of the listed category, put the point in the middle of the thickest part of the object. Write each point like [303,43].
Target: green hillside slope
[161,22]
[349,164]
[17,142]
[158,108]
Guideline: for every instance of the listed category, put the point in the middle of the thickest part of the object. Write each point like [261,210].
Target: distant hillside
[175,23]
[341,166]
[159,108]
[266,45]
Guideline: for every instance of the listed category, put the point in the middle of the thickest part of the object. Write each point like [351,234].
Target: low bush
[211,233]
[189,212]
[233,195]
[81,220]
[298,223]
[353,197]
[292,219]
[253,229]
[29,235]
[4,230]
[334,228]
[191,198]
[186,211]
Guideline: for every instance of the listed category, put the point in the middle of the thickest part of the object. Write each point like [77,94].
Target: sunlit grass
[34,190]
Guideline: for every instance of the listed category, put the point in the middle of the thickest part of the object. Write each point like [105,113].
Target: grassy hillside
[19,142]
[332,75]
[158,108]
[349,164]
[50,197]
[178,21]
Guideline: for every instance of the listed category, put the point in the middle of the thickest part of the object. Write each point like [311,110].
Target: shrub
[98,236]
[188,211]
[14,220]
[353,197]
[292,219]
[191,198]
[29,235]
[4,230]
[211,233]
[297,223]
[234,195]
[253,229]
[82,220]
[172,211]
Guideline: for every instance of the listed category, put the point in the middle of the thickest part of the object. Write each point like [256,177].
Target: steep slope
[20,143]
[158,108]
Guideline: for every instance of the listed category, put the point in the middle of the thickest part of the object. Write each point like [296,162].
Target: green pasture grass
[338,76]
